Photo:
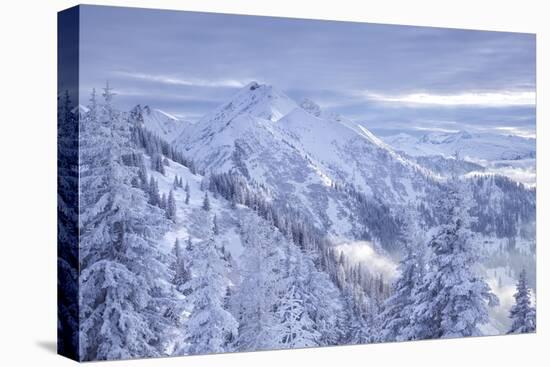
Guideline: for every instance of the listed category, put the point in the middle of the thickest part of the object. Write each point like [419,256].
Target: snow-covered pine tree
[163,203]
[171,207]
[206,202]
[187,193]
[161,164]
[187,257]
[142,174]
[294,326]
[395,317]
[522,313]
[175,185]
[181,274]
[452,300]
[394,322]
[122,284]
[157,163]
[283,301]
[154,194]
[256,297]
[215,227]
[93,106]
[67,225]
[323,301]
[210,328]
[359,308]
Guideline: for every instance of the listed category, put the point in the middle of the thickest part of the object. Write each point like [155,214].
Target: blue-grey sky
[394,78]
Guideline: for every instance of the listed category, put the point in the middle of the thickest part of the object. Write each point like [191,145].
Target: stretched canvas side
[67,183]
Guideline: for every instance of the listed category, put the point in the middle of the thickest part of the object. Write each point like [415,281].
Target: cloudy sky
[392,78]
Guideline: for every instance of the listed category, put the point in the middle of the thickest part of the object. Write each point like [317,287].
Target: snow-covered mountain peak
[258,100]
[163,124]
[159,113]
[252,85]
[445,137]
[254,104]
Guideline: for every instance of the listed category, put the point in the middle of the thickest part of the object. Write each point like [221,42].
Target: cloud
[436,129]
[524,171]
[486,99]
[512,130]
[191,82]
[363,252]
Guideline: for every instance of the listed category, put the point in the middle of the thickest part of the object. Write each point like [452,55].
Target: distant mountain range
[470,146]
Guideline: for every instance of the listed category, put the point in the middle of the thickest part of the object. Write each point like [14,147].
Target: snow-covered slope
[350,153]
[191,222]
[472,146]
[163,124]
